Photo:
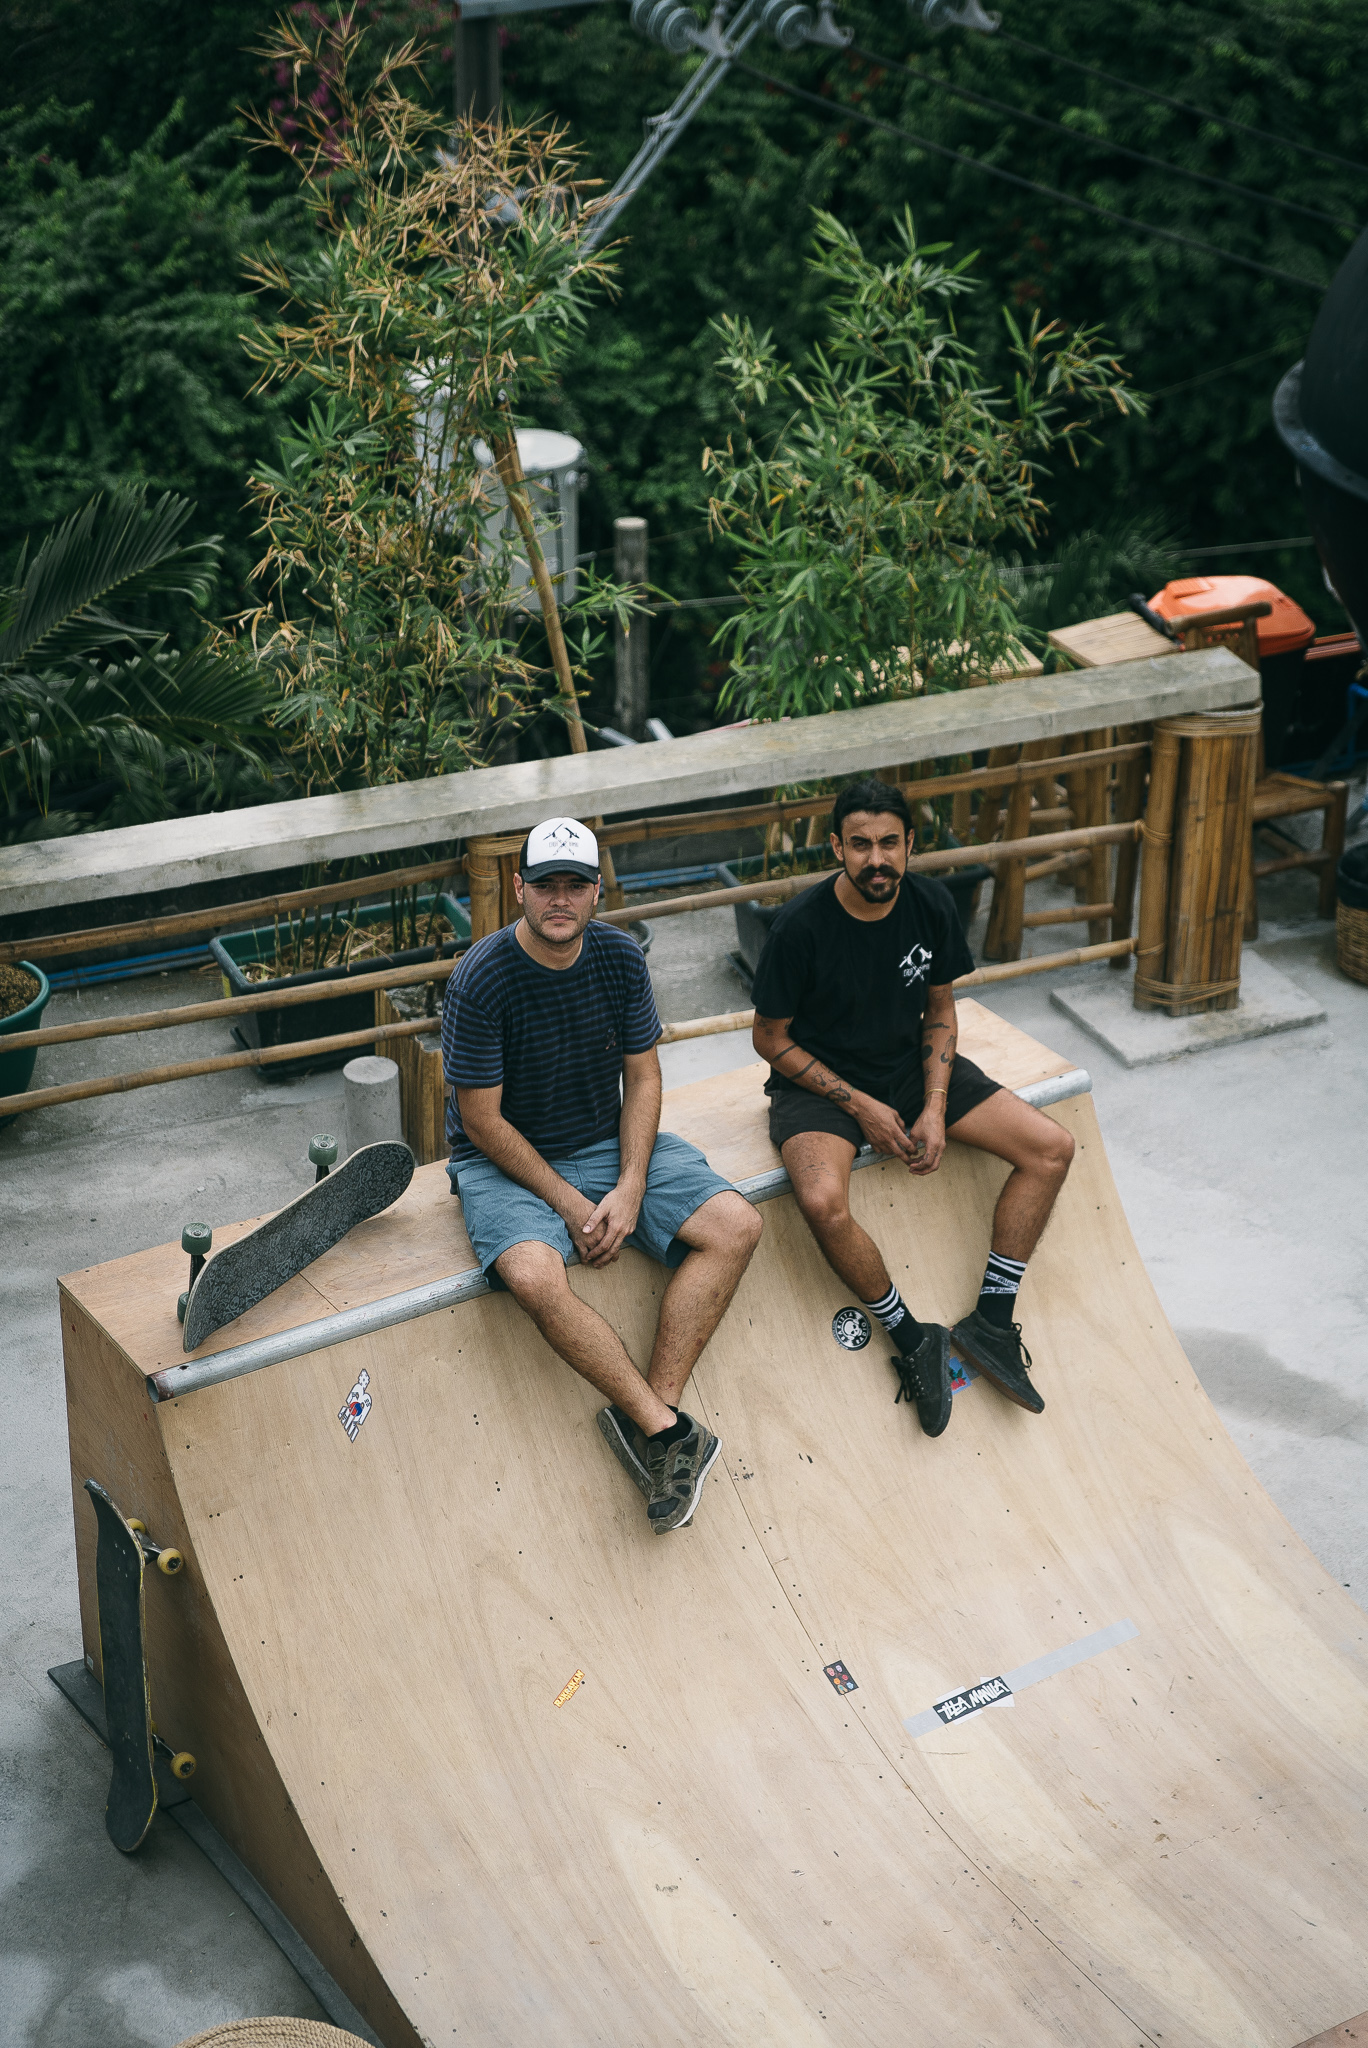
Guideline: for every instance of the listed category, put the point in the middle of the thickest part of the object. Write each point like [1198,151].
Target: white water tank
[551,464]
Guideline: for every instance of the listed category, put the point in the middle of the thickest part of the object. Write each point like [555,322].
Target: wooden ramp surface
[573,1783]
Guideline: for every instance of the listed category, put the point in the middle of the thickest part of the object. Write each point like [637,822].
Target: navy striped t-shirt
[554,1037]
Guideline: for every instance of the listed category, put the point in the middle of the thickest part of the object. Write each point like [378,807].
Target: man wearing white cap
[549,1032]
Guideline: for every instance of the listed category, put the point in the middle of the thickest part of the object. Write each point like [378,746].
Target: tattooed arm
[940,1039]
[883,1128]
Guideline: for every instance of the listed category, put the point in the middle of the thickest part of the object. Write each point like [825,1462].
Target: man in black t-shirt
[549,1031]
[855,1012]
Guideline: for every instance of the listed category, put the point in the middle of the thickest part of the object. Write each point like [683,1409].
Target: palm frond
[117,550]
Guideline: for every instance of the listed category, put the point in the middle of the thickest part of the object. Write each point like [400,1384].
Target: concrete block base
[1104,1008]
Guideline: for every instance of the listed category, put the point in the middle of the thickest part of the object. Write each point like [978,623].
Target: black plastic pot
[296,1023]
[1351,878]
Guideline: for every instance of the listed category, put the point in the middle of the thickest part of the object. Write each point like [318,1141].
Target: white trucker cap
[559,846]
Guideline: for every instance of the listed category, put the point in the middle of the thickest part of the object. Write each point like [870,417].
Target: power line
[1205,376]
[843,110]
[1138,156]
[1183,106]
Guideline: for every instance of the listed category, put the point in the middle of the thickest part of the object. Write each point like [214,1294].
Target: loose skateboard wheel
[170,1562]
[182,1764]
[322,1154]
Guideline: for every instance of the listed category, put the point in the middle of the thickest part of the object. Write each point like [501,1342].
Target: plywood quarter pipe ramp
[521,1771]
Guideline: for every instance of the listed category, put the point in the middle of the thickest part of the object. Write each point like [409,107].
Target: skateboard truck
[197,1239]
[322,1154]
[165,1559]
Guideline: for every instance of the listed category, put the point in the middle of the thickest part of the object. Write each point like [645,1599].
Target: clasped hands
[921,1149]
[598,1232]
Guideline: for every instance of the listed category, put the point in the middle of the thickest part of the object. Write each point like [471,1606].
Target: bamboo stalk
[1156,867]
[1041,963]
[1095,878]
[1062,864]
[1130,803]
[515,486]
[920,863]
[482,873]
[1079,913]
[230,1006]
[171,926]
[706,1027]
[1003,940]
[152,1077]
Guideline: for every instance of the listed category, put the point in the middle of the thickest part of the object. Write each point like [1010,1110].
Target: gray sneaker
[1000,1356]
[627,1445]
[677,1474]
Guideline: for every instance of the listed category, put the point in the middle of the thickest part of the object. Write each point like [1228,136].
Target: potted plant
[24,993]
[330,946]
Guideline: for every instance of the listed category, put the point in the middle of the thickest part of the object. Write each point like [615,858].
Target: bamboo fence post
[1210,860]
[515,486]
[1130,803]
[1003,941]
[482,873]
[1095,877]
[990,809]
[1152,932]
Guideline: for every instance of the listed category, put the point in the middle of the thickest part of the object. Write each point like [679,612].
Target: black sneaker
[627,1445]
[1000,1356]
[924,1378]
[677,1474]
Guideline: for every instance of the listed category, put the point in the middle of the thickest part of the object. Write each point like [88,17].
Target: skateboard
[242,1274]
[122,1552]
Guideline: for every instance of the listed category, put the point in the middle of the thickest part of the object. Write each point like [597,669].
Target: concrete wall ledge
[720,765]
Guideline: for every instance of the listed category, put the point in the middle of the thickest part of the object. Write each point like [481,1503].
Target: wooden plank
[716,764]
[1347,2034]
[1122,636]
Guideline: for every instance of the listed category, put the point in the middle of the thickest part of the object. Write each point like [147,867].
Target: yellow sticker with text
[569,1689]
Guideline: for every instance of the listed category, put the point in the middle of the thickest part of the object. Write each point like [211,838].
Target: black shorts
[794,1110]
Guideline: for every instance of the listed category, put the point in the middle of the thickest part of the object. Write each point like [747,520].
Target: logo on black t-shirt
[914,965]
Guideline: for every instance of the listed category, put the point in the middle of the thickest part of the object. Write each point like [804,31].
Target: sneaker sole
[980,1364]
[664,1529]
[623,1452]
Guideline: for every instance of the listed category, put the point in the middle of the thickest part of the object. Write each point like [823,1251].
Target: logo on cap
[560,846]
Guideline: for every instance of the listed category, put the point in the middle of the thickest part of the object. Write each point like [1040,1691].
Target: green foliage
[865,521]
[1092,575]
[103,706]
[122,308]
[438,295]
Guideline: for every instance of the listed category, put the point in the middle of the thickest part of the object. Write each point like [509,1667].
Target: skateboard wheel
[180,1307]
[182,1764]
[170,1562]
[197,1239]
[138,1528]
[322,1150]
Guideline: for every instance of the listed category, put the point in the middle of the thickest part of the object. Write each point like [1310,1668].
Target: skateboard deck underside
[119,1567]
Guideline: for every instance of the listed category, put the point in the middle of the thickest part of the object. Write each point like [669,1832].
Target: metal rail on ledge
[174,1381]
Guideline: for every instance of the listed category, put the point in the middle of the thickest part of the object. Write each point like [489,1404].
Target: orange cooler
[1284,637]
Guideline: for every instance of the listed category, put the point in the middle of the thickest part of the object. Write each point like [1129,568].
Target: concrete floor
[1242,1171]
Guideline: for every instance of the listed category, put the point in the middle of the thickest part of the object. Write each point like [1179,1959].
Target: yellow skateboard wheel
[138,1528]
[170,1562]
[182,1764]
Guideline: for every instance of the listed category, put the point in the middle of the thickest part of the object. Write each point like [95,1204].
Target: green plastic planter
[16,1068]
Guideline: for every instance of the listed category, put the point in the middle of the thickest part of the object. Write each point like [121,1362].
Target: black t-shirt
[856,991]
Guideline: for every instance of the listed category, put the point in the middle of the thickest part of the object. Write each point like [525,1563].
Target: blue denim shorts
[498,1213]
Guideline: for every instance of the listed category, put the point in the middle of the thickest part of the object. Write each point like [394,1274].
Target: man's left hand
[928,1138]
[610,1223]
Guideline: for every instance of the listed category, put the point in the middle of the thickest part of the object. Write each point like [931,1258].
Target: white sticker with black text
[972,1700]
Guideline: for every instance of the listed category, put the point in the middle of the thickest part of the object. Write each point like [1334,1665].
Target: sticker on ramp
[972,1699]
[962,1374]
[569,1689]
[850,1328]
[356,1407]
[840,1677]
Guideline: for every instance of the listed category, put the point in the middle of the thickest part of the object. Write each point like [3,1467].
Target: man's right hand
[574,1212]
[883,1128]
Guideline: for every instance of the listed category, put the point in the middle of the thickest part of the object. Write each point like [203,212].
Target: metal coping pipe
[173,1381]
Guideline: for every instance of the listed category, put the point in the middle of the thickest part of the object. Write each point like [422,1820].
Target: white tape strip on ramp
[989,1692]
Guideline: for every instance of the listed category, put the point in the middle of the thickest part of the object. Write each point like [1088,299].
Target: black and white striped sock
[897,1318]
[997,1296]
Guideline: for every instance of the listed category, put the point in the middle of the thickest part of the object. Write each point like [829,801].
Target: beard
[876,885]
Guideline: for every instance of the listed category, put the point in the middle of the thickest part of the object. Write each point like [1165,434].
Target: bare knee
[727,1224]
[825,1206]
[1056,1151]
[534,1275]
